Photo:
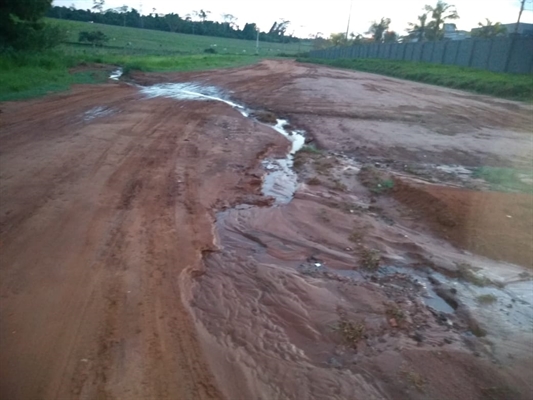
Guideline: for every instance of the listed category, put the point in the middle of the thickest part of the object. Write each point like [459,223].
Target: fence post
[444,51]
[511,47]
[457,51]
[487,63]
[472,51]
[422,51]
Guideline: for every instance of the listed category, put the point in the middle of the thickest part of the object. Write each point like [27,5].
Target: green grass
[486,299]
[24,75]
[145,41]
[511,86]
[504,179]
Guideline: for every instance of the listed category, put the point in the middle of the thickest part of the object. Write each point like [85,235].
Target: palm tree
[418,30]
[377,29]
[441,13]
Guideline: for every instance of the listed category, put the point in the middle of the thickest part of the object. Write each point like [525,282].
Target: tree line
[429,26]
[196,23]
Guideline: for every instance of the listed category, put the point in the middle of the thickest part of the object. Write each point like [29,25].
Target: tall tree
[202,14]
[123,10]
[377,29]
[489,29]
[418,29]
[441,13]
[337,39]
[390,37]
[98,5]
[229,21]
[21,24]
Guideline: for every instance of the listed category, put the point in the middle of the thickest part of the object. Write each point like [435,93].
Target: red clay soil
[108,204]
[101,218]
[492,224]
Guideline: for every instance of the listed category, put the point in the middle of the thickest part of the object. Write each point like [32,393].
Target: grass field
[24,75]
[143,41]
[510,86]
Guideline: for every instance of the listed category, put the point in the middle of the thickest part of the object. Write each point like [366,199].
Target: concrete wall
[513,55]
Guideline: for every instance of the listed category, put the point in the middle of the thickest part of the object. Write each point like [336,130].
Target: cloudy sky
[310,17]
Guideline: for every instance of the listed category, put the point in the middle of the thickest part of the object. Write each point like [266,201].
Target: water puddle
[455,169]
[280,181]
[190,91]
[97,112]
[116,74]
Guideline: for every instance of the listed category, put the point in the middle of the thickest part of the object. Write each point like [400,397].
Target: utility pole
[349,17]
[519,16]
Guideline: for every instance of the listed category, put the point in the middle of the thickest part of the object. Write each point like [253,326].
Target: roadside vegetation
[510,86]
[505,179]
[41,55]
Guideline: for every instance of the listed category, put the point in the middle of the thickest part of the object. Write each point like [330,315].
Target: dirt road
[120,279]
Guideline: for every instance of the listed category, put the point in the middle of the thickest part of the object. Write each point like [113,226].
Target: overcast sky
[326,16]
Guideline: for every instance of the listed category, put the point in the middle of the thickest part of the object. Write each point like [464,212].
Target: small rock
[348,249]
[333,362]
[453,290]
[393,322]
[509,306]
[418,337]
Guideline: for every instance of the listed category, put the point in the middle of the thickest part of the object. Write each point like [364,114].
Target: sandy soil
[140,260]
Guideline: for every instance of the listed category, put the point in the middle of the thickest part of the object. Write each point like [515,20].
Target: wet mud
[280,231]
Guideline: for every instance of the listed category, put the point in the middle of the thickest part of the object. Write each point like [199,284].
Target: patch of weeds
[503,178]
[323,167]
[323,215]
[414,378]
[486,299]
[393,311]
[476,330]
[383,186]
[370,259]
[309,149]
[338,185]
[377,181]
[355,237]
[349,208]
[314,181]
[466,272]
[351,332]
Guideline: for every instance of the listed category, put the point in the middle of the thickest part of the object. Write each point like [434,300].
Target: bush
[96,38]
[33,36]
[210,50]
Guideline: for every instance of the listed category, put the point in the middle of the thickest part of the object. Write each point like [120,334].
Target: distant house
[451,33]
[524,29]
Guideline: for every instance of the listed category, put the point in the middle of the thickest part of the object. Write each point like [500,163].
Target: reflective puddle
[280,181]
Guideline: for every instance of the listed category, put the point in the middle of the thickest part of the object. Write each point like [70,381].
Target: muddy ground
[143,256]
